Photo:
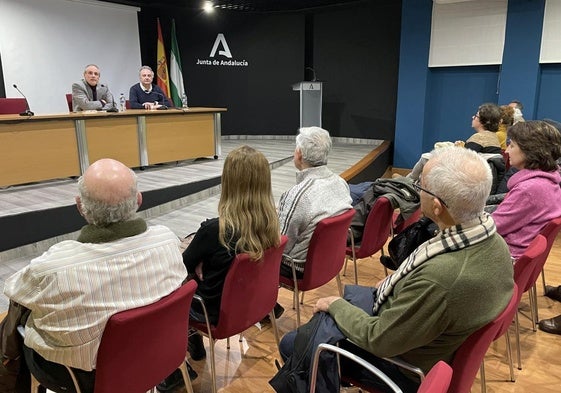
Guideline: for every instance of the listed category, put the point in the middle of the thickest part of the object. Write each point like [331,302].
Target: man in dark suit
[88,94]
[145,95]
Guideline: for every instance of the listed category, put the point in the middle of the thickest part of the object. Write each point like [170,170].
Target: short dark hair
[489,116]
[518,104]
[539,141]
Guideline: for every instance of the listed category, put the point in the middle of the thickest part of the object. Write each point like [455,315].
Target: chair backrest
[550,232]
[69,102]
[437,380]
[326,251]
[531,261]
[470,354]
[376,228]
[250,291]
[10,106]
[413,218]
[142,346]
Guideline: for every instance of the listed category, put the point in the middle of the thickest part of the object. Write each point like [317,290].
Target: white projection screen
[45,45]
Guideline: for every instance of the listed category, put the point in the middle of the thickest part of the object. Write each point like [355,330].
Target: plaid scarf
[450,239]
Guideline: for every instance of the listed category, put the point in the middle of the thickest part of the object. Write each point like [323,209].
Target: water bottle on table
[184,103]
[122,103]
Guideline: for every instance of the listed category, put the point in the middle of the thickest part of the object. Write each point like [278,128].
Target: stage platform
[180,195]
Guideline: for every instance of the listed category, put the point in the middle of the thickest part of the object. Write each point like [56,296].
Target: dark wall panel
[258,96]
[356,53]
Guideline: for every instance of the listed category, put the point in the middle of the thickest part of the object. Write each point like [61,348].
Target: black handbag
[405,242]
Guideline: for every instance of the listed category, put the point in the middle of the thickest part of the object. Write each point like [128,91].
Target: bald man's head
[108,193]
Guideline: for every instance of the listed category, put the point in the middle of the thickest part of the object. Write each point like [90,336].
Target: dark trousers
[55,376]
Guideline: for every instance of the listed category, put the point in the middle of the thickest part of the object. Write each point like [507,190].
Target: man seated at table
[117,263]
[145,95]
[88,94]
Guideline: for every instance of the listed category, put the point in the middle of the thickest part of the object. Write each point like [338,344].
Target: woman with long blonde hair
[247,222]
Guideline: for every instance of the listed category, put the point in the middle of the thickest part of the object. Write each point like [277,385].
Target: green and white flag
[177,88]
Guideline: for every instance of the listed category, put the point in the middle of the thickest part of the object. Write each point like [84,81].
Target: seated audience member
[247,222]
[486,124]
[117,263]
[517,106]
[88,94]
[534,192]
[507,119]
[145,95]
[425,310]
[318,194]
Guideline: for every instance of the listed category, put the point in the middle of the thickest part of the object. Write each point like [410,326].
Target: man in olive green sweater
[449,287]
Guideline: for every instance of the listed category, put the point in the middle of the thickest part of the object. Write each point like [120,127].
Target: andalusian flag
[162,70]
[177,87]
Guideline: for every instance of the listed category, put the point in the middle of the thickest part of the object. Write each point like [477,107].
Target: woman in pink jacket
[534,196]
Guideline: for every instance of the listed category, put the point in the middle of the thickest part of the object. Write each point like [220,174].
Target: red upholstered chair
[326,254]
[469,357]
[375,234]
[437,380]
[526,270]
[399,227]
[550,232]
[69,102]
[142,346]
[250,292]
[9,106]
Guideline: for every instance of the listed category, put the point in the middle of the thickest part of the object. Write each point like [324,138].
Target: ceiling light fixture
[208,7]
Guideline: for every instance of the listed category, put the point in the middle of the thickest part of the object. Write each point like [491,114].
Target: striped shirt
[74,288]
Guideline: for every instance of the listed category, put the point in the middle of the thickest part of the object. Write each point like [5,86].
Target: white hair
[461,178]
[315,144]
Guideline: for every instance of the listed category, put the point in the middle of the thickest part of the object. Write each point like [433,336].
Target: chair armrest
[357,359]
[292,266]
[200,300]
[406,366]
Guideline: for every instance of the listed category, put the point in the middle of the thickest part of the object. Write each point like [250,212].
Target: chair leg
[517,331]
[543,279]
[356,272]
[482,377]
[186,378]
[532,308]
[297,305]
[275,330]
[302,297]
[509,356]
[339,285]
[212,364]
[536,317]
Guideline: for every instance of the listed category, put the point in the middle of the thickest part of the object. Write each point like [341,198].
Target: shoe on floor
[176,379]
[278,310]
[553,292]
[196,347]
[552,325]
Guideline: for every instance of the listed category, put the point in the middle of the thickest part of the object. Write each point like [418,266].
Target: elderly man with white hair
[319,193]
[449,287]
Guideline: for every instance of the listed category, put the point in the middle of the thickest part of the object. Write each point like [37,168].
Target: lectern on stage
[310,102]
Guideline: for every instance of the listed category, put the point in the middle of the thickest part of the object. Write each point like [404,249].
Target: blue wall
[437,104]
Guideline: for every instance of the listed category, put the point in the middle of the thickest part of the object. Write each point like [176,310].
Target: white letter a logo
[221,40]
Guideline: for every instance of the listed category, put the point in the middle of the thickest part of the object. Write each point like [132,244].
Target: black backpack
[294,376]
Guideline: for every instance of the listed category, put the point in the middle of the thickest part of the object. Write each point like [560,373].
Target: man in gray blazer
[88,94]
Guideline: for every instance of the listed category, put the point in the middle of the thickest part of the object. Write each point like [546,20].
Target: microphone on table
[162,106]
[27,111]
